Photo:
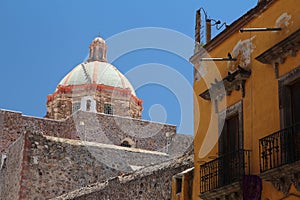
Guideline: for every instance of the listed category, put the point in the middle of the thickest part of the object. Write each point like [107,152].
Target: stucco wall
[261,113]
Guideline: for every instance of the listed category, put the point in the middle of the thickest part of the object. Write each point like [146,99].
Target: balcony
[221,177]
[280,158]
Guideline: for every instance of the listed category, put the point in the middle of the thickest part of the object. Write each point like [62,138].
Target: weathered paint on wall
[260,104]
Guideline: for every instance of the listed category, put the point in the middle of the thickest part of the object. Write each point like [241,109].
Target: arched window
[125,144]
[88,105]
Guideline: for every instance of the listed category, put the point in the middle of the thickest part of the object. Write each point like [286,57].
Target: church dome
[96,72]
[94,86]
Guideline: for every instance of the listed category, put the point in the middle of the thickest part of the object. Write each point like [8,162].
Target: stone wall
[88,126]
[180,144]
[42,125]
[11,128]
[52,166]
[10,171]
[13,124]
[113,129]
[60,108]
[152,182]
[59,105]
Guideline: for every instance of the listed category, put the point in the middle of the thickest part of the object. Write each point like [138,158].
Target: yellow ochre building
[247,108]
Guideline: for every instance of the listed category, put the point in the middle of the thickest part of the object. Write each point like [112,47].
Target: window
[75,106]
[178,185]
[289,105]
[231,145]
[231,138]
[88,105]
[3,161]
[125,144]
[295,102]
[289,98]
[230,135]
[108,109]
[295,107]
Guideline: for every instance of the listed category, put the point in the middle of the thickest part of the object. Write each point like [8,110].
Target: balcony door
[230,136]
[295,103]
[230,146]
[295,115]
[289,104]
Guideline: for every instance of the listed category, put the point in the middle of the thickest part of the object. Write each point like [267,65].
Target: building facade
[247,79]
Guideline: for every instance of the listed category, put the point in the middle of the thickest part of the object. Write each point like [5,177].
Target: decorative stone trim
[278,53]
[283,177]
[229,192]
[234,81]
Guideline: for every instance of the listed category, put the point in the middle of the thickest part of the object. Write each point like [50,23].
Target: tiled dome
[94,86]
[96,72]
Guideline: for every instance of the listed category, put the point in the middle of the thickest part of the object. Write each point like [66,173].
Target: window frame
[233,110]
[285,96]
[108,109]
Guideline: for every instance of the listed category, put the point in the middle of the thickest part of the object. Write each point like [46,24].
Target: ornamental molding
[233,81]
[229,192]
[282,178]
[278,53]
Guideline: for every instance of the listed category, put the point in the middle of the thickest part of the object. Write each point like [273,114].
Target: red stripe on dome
[68,77]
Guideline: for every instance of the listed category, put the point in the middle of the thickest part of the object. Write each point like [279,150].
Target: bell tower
[98,50]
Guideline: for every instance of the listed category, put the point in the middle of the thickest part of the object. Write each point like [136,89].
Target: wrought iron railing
[224,170]
[280,148]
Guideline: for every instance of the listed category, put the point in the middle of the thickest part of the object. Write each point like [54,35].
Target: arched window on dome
[108,109]
[88,105]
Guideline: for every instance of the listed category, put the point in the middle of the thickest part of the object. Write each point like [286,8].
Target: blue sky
[41,41]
